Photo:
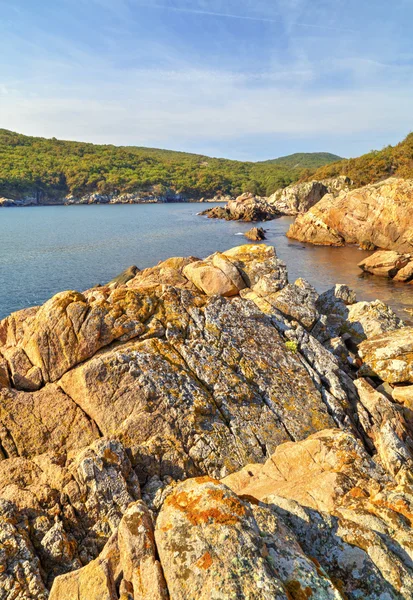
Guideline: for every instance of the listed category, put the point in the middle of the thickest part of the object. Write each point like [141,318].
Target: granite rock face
[298,198]
[246,207]
[390,264]
[122,408]
[378,215]
[292,200]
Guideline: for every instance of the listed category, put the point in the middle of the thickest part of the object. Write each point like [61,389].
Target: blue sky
[245,79]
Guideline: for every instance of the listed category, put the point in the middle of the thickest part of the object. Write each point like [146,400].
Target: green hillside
[374,166]
[53,168]
[304,160]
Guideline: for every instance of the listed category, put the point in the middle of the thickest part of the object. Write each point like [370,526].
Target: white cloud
[174,107]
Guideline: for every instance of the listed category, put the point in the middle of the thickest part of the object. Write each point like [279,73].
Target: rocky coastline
[204,429]
[96,198]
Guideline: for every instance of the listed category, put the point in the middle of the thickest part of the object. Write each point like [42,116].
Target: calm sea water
[44,250]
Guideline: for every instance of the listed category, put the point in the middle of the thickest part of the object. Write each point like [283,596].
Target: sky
[241,79]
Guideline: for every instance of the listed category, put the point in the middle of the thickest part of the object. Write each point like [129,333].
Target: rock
[214,545]
[368,319]
[298,198]
[405,273]
[296,301]
[389,264]
[384,423]
[176,401]
[389,355]
[127,563]
[404,395]
[125,276]
[23,374]
[4,373]
[20,572]
[316,472]
[255,234]
[166,377]
[246,207]
[379,213]
[42,421]
[358,320]
[342,509]
[210,279]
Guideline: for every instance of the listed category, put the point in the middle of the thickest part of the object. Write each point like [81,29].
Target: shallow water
[44,250]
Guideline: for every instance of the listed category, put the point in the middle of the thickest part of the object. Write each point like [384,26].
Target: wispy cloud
[209,13]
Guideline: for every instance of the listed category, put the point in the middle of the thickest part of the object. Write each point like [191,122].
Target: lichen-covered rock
[379,214]
[139,385]
[343,509]
[127,565]
[296,301]
[390,355]
[215,546]
[208,398]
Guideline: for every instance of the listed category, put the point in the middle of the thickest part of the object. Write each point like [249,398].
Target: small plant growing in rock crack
[292,346]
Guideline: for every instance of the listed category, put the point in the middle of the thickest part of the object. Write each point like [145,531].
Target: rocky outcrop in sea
[292,200]
[204,429]
[375,216]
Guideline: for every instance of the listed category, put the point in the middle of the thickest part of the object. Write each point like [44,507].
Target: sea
[48,249]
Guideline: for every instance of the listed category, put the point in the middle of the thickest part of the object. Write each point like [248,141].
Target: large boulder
[390,355]
[246,207]
[378,214]
[389,263]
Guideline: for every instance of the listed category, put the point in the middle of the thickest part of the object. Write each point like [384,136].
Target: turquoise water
[44,250]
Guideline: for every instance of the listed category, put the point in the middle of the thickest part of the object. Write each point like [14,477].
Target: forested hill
[374,166]
[304,160]
[55,168]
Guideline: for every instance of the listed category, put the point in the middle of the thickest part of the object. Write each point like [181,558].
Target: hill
[304,160]
[52,169]
[373,166]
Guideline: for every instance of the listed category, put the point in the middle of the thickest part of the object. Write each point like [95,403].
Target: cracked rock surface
[205,429]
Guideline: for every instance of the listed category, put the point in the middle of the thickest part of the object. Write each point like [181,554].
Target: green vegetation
[292,346]
[304,160]
[51,169]
[374,166]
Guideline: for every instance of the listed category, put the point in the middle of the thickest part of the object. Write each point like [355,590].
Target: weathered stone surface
[69,329]
[298,198]
[343,510]
[388,263]
[42,421]
[127,563]
[390,355]
[185,381]
[210,279]
[379,214]
[213,545]
[246,207]
[255,234]
[404,395]
[368,319]
[385,424]
[209,397]
[297,301]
